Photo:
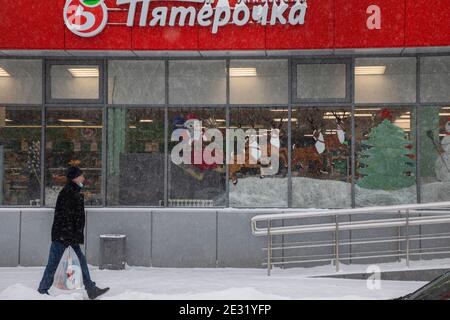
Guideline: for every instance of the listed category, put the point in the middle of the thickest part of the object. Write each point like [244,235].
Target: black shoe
[96,292]
[44,292]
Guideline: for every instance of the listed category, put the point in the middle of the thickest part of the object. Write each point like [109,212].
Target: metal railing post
[407,238]
[269,247]
[336,250]
[399,233]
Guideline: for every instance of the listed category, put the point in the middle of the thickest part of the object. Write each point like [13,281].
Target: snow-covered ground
[220,283]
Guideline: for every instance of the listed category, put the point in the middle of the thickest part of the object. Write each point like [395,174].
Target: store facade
[352,96]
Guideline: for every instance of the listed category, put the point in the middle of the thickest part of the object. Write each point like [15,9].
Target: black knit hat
[73,172]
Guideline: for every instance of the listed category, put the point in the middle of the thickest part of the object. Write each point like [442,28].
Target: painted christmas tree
[386,163]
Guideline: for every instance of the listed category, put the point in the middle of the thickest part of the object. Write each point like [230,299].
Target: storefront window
[136,82]
[20,81]
[385,156]
[197,82]
[20,156]
[434,153]
[385,80]
[258,172]
[73,137]
[77,82]
[135,157]
[196,157]
[258,81]
[321,157]
[318,81]
[435,79]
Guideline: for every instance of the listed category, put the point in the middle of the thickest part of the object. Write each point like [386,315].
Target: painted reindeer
[324,146]
[333,145]
[254,151]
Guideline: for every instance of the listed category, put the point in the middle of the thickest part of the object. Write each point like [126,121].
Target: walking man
[68,230]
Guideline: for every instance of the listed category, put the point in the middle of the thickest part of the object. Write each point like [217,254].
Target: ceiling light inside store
[370,70]
[362,115]
[444,114]
[243,72]
[71,120]
[146,121]
[285,120]
[4,73]
[84,72]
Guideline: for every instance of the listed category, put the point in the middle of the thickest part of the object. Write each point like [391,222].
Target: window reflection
[257,180]
[385,156]
[135,156]
[73,137]
[321,157]
[434,153]
[20,151]
[199,182]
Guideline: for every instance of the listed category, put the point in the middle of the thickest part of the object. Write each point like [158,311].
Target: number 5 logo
[85,18]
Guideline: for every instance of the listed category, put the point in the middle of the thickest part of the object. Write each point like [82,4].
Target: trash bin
[112,251]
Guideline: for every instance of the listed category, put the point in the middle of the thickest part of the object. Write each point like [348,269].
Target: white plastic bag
[68,275]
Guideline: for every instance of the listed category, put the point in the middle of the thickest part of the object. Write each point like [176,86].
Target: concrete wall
[237,247]
[9,238]
[35,237]
[186,238]
[136,225]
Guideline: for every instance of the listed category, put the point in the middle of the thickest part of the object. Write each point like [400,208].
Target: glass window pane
[321,81]
[197,82]
[385,80]
[198,180]
[73,137]
[135,156]
[258,81]
[20,81]
[75,82]
[136,82]
[258,161]
[434,126]
[20,156]
[385,156]
[435,79]
[321,157]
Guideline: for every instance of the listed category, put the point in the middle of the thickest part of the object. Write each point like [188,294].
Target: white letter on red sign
[374,21]
[131,10]
[218,20]
[278,11]
[159,15]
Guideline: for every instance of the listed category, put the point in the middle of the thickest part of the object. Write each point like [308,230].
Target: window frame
[322,61]
[49,100]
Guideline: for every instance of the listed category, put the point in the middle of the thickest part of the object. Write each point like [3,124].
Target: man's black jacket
[69,220]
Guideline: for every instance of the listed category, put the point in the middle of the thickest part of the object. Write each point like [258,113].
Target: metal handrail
[430,213]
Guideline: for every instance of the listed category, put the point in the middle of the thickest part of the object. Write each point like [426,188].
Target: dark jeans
[56,252]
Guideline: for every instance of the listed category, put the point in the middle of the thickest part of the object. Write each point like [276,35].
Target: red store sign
[223,24]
